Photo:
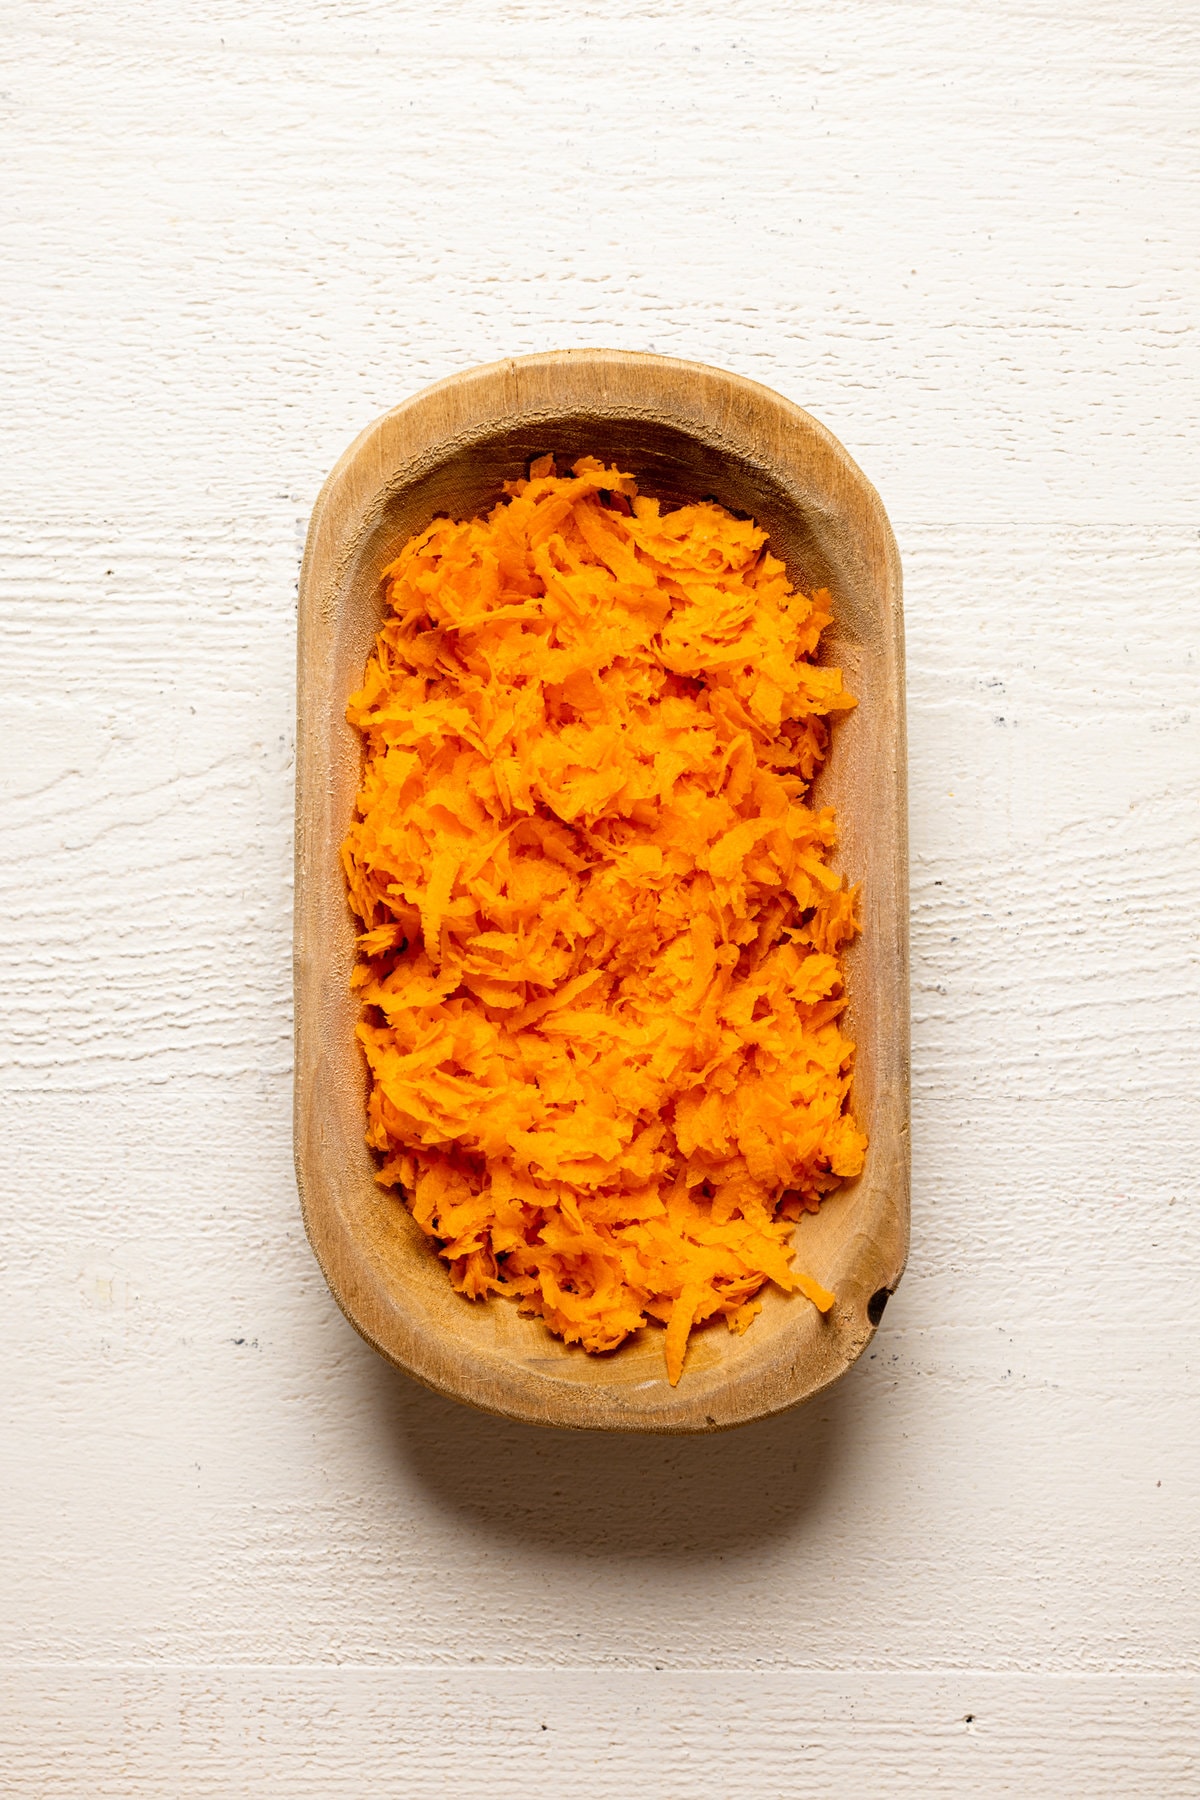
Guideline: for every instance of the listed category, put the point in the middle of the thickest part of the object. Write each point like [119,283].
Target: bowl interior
[386,1275]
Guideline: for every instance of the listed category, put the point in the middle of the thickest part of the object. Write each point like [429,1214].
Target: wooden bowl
[685,431]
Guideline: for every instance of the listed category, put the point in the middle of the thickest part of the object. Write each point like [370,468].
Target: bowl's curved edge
[363,475]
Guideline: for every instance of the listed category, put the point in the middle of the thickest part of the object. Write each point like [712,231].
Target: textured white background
[240,1555]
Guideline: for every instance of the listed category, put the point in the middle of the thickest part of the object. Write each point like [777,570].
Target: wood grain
[963,238]
[685,431]
[280,1733]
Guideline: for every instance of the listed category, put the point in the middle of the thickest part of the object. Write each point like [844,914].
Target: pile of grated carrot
[599,960]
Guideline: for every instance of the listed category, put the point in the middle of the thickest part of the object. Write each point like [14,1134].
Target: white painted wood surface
[240,1555]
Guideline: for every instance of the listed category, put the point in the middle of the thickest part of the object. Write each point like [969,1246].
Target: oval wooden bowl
[685,431]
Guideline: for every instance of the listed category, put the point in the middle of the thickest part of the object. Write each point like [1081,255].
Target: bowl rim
[765,433]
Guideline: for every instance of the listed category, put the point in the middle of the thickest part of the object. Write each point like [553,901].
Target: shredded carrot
[599,964]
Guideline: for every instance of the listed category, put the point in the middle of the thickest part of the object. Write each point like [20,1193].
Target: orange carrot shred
[599,962]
